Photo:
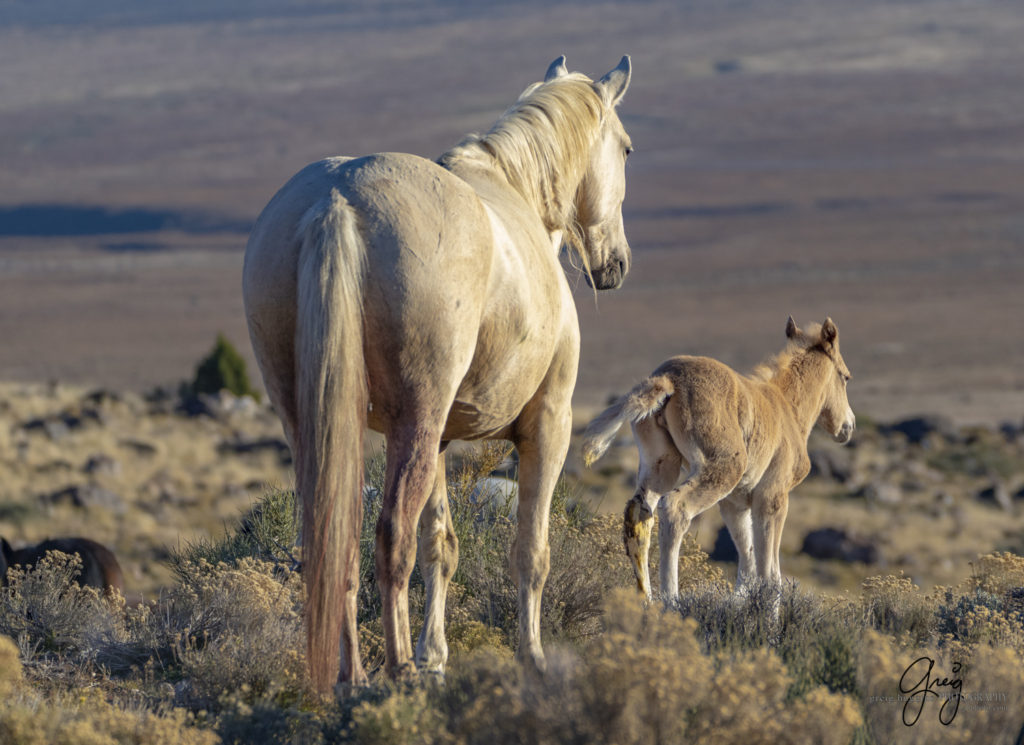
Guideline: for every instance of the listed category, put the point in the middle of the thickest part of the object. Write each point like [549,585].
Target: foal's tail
[331,400]
[645,399]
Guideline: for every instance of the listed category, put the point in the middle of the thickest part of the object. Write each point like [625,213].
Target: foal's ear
[556,69]
[612,86]
[791,329]
[829,332]
[5,549]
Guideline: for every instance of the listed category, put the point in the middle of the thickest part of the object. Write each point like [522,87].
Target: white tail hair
[331,400]
[645,399]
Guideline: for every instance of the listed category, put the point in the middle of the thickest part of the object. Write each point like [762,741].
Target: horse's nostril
[622,267]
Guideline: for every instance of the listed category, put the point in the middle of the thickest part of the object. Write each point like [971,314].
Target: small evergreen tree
[223,368]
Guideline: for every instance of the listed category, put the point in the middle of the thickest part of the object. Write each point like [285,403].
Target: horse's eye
[629,149]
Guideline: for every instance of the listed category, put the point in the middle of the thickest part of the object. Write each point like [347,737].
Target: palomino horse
[426,300]
[741,440]
[99,565]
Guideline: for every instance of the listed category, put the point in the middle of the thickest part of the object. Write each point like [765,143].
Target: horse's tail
[331,402]
[645,399]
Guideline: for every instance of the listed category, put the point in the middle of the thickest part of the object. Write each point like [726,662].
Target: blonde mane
[542,146]
[770,368]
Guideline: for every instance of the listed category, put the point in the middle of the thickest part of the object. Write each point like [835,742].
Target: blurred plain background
[859,160]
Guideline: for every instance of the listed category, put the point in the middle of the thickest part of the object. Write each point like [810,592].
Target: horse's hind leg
[660,463]
[709,482]
[411,471]
[438,556]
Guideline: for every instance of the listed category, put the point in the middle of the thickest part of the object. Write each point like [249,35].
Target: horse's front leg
[542,439]
[737,519]
[770,509]
[438,556]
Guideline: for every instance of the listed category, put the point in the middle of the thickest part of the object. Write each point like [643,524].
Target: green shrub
[223,369]
[269,531]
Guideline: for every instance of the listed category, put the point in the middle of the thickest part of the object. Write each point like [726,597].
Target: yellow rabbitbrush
[740,440]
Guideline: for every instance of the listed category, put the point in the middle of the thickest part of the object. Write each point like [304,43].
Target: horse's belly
[468,422]
[492,397]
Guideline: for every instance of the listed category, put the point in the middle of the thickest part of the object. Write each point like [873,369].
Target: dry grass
[166,478]
[220,653]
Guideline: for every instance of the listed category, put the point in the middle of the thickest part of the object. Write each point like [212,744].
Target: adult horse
[426,300]
[99,569]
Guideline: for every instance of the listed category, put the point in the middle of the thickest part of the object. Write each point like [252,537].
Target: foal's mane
[542,145]
[770,368]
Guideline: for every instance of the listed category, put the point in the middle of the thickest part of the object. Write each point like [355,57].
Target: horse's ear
[6,549]
[791,329]
[612,86]
[556,69]
[829,332]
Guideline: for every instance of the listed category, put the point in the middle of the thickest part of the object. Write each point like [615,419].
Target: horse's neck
[493,188]
[802,383]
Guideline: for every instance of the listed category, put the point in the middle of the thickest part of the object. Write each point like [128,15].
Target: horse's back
[455,295]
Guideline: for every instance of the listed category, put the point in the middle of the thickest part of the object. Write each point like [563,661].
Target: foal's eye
[629,149]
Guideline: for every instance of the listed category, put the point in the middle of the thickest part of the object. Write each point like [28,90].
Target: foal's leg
[541,438]
[660,463]
[438,556]
[707,485]
[770,510]
[737,519]
[411,474]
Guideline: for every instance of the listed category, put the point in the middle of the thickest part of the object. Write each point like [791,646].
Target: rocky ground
[142,474]
[146,474]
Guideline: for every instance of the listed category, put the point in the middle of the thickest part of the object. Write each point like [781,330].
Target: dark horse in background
[99,565]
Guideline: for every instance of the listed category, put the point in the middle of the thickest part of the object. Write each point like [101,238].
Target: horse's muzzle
[610,276]
[845,433]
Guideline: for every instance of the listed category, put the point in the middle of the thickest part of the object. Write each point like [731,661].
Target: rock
[833,543]
[243,446]
[55,466]
[1011,431]
[217,405]
[102,396]
[725,549]
[496,496]
[996,493]
[138,447]
[86,496]
[835,464]
[917,429]
[196,406]
[880,492]
[102,465]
